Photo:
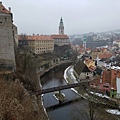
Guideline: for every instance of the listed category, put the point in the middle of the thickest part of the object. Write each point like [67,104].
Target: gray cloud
[80,16]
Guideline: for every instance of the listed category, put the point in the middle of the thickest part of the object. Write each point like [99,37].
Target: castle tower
[7,53]
[61,27]
[84,42]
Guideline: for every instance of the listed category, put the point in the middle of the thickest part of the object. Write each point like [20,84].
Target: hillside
[16,102]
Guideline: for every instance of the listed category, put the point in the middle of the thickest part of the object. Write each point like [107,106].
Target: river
[75,111]
[69,112]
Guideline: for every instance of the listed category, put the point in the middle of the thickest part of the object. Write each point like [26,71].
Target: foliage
[91,111]
[26,72]
[17,104]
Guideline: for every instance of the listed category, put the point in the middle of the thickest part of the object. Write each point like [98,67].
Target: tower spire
[61,27]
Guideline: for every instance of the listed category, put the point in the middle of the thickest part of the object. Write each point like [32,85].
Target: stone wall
[7,55]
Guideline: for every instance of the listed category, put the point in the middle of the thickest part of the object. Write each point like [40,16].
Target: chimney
[33,34]
[9,9]
[0,6]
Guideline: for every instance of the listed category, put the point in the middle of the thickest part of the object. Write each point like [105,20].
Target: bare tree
[91,111]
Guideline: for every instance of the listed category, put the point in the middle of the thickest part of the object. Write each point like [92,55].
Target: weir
[62,104]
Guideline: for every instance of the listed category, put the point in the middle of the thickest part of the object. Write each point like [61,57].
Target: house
[108,83]
[95,53]
[60,40]
[85,68]
[116,42]
[22,40]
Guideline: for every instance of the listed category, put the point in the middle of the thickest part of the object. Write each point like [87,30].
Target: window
[106,86]
[5,19]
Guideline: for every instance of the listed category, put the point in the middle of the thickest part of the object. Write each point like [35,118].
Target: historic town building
[61,39]
[108,82]
[7,55]
[38,44]
[117,42]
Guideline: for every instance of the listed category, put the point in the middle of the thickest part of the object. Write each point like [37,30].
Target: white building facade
[118,87]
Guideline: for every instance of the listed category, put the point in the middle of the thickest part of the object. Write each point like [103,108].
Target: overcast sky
[79,16]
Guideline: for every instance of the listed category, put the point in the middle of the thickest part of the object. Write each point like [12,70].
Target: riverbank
[42,73]
[78,109]
[99,99]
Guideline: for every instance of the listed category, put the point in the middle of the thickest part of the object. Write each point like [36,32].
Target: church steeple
[61,27]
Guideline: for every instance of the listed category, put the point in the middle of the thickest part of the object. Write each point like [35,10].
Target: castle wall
[7,55]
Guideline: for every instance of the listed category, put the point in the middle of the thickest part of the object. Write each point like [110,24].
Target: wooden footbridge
[53,89]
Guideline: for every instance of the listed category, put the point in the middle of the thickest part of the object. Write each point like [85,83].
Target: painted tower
[61,27]
[84,42]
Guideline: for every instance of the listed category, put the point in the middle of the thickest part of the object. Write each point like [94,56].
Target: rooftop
[34,37]
[105,55]
[57,36]
[3,9]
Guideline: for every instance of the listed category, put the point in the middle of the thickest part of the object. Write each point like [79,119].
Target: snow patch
[57,98]
[74,90]
[100,95]
[65,74]
[115,112]
[116,68]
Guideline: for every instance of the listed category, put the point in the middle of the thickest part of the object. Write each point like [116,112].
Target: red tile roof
[4,10]
[117,40]
[35,37]
[59,36]
[105,55]
[96,50]
[103,49]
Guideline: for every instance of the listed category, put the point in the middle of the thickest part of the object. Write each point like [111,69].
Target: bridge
[44,91]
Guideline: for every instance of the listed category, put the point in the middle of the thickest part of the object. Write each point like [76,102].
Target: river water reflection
[68,112]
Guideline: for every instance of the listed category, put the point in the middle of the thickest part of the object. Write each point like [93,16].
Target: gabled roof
[4,10]
[96,50]
[103,49]
[55,36]
[105,55]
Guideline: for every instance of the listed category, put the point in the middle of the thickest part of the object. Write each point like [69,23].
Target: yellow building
[38,43]
[95,53]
